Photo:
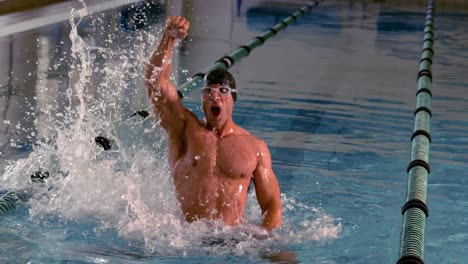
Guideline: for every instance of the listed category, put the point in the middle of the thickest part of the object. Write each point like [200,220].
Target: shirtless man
[213,161]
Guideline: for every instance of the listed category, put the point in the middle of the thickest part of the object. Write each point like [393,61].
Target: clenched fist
[177,27]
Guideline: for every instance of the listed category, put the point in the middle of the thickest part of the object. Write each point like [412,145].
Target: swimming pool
[333,96]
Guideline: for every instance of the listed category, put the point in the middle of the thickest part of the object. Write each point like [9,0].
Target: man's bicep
[167,106]
[267,191]
[266,184]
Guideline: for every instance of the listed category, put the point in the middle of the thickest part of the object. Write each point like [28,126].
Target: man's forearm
[159,65]
[272,217]
[161,59]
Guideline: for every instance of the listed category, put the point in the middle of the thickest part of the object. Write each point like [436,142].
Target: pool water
[332,95]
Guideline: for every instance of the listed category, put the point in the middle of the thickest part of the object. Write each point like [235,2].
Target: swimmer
[212,161]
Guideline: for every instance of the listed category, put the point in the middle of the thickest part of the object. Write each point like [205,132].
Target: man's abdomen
[207,195]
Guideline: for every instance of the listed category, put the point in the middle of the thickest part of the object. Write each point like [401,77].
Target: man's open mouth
[215,111]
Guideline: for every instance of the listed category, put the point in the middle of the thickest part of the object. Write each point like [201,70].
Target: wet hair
[222,77]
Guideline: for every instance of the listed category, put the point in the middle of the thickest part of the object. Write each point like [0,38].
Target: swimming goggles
[222,90]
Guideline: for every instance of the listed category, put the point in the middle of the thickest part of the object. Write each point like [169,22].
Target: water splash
[129,189]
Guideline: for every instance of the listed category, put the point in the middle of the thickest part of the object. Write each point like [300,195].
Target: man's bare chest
[233,156]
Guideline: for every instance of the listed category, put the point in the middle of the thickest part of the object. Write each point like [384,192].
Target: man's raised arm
[267,190]
[162,93]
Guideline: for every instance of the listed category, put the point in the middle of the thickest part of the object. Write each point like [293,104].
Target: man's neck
[224,130]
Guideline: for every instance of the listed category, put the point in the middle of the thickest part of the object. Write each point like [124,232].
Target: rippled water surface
[333,96]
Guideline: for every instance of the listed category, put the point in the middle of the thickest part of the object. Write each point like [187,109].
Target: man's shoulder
[191,124]
[191,117]
[259,143]
[242,132]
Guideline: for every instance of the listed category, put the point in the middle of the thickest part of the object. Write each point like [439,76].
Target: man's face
[217,107]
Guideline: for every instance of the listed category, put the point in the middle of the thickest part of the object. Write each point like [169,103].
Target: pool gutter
[48,13]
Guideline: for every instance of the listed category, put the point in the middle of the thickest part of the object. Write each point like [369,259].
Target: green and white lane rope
[8,202]
[243,51]
[415,210]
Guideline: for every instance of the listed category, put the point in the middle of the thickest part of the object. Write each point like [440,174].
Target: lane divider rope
[226,62]
[415,210]
[243,51]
